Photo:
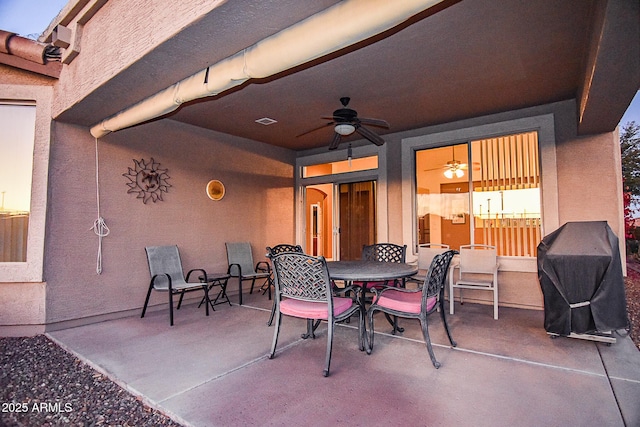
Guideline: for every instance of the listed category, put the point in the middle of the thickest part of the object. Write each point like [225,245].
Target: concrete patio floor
[214,371]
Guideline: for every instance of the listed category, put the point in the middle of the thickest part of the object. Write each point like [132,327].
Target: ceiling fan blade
[371,136]
[335,142]
[374,122]
[315,129]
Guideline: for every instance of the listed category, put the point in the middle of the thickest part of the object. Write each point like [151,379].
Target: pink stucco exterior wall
[258,207]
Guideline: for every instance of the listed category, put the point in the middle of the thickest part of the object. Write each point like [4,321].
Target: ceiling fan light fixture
[459,173]
[345,129]
[448,173]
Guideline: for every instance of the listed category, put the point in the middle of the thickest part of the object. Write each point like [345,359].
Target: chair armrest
[349,288]
[379,292]
[263,266]
[153,279]
[239,270]
[204,273]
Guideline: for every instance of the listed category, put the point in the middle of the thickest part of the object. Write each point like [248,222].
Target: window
[342,166]
[17,119]
[484,191]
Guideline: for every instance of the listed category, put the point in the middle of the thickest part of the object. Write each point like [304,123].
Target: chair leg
[371,331]
[170,306]
[451,298]
[240,290]
[253,282]
[427,340]
[330,326]
[275,335]
[273,312]
[361,329]
[146,301]
[180,301]
[443,315]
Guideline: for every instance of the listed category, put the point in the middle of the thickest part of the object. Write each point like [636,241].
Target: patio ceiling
[461,59]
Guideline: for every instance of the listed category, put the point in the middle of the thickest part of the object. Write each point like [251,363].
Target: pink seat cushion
[313,310]
[408,302]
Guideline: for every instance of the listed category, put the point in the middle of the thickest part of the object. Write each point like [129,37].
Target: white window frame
[543,124]
[379,175]
[32,269]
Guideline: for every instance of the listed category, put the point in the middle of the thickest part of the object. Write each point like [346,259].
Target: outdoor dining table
[370,271]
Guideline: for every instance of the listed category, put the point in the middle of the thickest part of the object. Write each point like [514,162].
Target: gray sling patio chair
[167,275]
[278,249]
[304,290]
[240,260]
[416,303]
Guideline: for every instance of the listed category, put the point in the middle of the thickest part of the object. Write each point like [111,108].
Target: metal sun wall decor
[147,180]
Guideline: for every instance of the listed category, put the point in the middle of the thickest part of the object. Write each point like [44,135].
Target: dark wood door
[357,218]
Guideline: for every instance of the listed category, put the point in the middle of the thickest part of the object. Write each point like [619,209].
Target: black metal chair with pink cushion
[304,290]
[416,303]
[278,249]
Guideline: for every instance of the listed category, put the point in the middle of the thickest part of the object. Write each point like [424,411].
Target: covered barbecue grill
[580,274]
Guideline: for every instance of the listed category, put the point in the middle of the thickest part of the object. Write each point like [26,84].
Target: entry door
[357,202]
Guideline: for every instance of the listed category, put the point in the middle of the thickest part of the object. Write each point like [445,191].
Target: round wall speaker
[215,190]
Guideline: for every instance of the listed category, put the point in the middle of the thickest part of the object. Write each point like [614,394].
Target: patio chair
[240,260]
[478,269]
[426,253]
[416,303]
[278,249]
[167,275]
[304,290]
[382,252]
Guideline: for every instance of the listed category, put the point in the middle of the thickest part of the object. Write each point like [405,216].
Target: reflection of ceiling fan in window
[453,168]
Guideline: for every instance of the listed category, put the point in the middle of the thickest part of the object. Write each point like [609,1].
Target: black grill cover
[580,274]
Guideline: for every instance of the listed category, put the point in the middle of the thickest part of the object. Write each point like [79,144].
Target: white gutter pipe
[339,26]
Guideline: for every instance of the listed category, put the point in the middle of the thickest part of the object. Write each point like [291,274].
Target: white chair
[426,253]
[478,269]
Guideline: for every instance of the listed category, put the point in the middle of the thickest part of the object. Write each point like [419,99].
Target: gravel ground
[43,385]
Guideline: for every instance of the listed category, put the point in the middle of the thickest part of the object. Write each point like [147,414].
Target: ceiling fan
[346,122]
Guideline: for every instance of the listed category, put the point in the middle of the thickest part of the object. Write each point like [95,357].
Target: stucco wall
[11,75]
[23,309]
[589,180]
[258,207]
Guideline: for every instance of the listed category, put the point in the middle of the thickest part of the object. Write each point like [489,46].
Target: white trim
[544,124]
[32,269]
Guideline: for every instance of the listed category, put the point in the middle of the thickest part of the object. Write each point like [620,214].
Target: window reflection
[503,208]
[17,120]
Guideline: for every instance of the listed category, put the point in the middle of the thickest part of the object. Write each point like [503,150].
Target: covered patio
[214,371]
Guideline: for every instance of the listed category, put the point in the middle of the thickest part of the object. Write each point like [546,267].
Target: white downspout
[339,26]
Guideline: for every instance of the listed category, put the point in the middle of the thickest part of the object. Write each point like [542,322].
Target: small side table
[217,279]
